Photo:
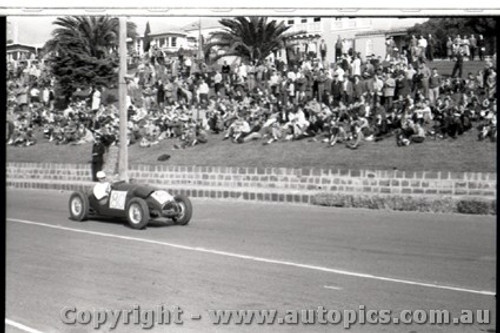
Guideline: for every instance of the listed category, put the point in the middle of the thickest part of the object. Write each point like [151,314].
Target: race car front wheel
[137,213]
[78,206]
[185,210]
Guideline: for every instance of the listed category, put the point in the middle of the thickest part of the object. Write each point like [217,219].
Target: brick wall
[272,183]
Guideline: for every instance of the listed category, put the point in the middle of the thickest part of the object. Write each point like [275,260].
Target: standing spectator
[431,44]
[466,46]
[96,99]
[217,80]
[403,87]
[322,50]
[187,65]
[389,48]
[378,89]
[337,90]
[321,79]
[46,96]
[35,94]
[348,90]
[251,81]
[481,47]
[338,49]
[425,74]
[290,89]
[357,88]
[434,85]
[389,89]
[169,91]
[226,71]
[242,71]
[413,48]
[98,150]
[422,46]
[160,94]
[345,46]
[491,83]
[356,65]
[22,96]
[459,64]
[449,48]
[473,46]
[340,72]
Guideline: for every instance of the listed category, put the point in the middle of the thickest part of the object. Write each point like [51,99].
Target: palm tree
[94,36]
[83,52]
[252,39]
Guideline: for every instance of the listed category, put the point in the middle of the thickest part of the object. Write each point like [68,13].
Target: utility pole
[122,100]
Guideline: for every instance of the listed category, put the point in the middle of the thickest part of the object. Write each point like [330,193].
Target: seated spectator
[237,130]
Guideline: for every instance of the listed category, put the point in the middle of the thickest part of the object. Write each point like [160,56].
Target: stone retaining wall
[278,180]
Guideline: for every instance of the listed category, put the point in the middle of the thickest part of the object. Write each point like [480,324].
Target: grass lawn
[445,67]
[462,154]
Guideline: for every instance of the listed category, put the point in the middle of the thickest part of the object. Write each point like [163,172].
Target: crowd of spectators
[353,101]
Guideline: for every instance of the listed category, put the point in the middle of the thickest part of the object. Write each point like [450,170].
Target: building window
[290,22]
[304,20]
[317,19]
[173,42]
[369,47]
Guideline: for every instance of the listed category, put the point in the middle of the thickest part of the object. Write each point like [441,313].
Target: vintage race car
[137,203]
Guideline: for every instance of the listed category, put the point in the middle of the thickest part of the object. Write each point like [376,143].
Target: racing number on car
[162,197]
[117,199]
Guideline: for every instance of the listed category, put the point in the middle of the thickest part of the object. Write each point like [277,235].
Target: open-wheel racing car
[137,203]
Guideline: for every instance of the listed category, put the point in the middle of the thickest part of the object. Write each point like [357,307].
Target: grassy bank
[462,154]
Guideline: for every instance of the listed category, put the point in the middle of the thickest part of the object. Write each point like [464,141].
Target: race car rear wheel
[186,210]
[78,206]
[137,213]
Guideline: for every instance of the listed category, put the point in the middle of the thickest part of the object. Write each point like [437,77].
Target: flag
[147,39]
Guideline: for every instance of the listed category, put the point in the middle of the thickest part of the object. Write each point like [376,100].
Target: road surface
[244,256]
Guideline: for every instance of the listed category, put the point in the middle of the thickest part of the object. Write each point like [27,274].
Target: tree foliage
[252,39]
[442,27]
[84,52]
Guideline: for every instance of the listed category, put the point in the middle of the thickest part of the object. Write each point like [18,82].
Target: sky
[36,30]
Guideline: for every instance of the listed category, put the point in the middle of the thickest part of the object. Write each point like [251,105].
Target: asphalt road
[244,256]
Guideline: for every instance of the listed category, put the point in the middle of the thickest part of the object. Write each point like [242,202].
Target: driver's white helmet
[100,175]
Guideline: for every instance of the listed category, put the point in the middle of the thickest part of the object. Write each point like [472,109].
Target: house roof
[14,46]
[387,32]
[167,32]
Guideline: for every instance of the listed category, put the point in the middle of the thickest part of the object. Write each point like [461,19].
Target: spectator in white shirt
[202,91]
[356,65]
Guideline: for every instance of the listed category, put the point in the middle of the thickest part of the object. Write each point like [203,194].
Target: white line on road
[21,326]
[260,259]
[332,287]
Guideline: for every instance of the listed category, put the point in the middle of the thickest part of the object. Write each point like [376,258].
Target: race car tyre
[137,213]
[186,210]
[78,206]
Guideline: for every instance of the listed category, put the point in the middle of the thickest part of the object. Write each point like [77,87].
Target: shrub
[406,203]
[474,206]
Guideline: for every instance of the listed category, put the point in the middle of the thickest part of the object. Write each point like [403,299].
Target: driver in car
[102,189]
